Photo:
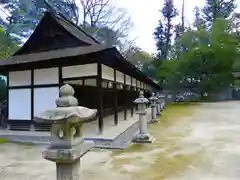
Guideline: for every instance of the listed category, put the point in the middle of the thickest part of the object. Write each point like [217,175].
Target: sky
[145,15]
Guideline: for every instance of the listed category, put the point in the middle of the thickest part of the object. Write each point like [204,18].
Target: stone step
[20,127]
[42,127]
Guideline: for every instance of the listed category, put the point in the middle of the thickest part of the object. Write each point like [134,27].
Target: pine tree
[164,31]
[214,9]
[22,16]
[198,20]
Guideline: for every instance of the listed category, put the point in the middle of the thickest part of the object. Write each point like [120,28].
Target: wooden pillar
[115,99]
[132,98]
[32,98]
[100,97]
[125,97]
[60,78]
[7,103]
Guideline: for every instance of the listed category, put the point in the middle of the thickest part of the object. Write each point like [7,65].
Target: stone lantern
[162,101]
[67,143]
[153,100]
[142,136]
[158,105]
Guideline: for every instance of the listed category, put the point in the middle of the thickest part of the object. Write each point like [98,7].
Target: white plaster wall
[128,80]
[79,70]
[90,82]
[19,104]
[138,84]
[134,82]
[20,78]
[44,99]
[46,76]
[119,77]
[107,73]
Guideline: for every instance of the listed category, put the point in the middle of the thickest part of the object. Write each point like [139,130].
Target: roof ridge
[59,15]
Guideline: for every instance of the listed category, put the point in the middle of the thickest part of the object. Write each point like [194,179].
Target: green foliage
[199,20]
[170,75]
[206,65]
[214,9]
[138,57]
[23,16]
[105,35]
[7,45]
[164,31]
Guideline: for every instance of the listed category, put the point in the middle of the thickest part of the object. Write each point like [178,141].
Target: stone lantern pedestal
[153,100]
[142,136]
[67,144]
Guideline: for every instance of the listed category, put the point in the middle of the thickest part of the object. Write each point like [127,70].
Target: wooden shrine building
[59,52]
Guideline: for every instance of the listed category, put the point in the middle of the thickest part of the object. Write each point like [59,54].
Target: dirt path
[202,144]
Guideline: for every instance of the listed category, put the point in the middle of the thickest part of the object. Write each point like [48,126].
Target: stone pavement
[204,145]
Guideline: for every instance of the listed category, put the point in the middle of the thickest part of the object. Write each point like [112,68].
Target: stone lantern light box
[66,119]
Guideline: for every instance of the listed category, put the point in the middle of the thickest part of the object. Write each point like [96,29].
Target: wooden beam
[34,86]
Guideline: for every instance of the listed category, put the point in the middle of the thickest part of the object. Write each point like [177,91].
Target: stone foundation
[121,141]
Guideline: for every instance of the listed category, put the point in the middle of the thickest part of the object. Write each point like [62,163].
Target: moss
[166,159]
[27,144]
[3,141]
[174,112]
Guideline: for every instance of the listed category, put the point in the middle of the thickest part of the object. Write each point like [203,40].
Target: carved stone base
[143,138]
[67,155]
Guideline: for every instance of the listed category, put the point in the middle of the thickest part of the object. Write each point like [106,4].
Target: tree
[235,19]
[199,22]
[235,22]
[7,45]
[102,12]
[206,65]
[164,31]
[22,16]
[214,9]
[170,76]
[138,57]
[100,17]
[210,57]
